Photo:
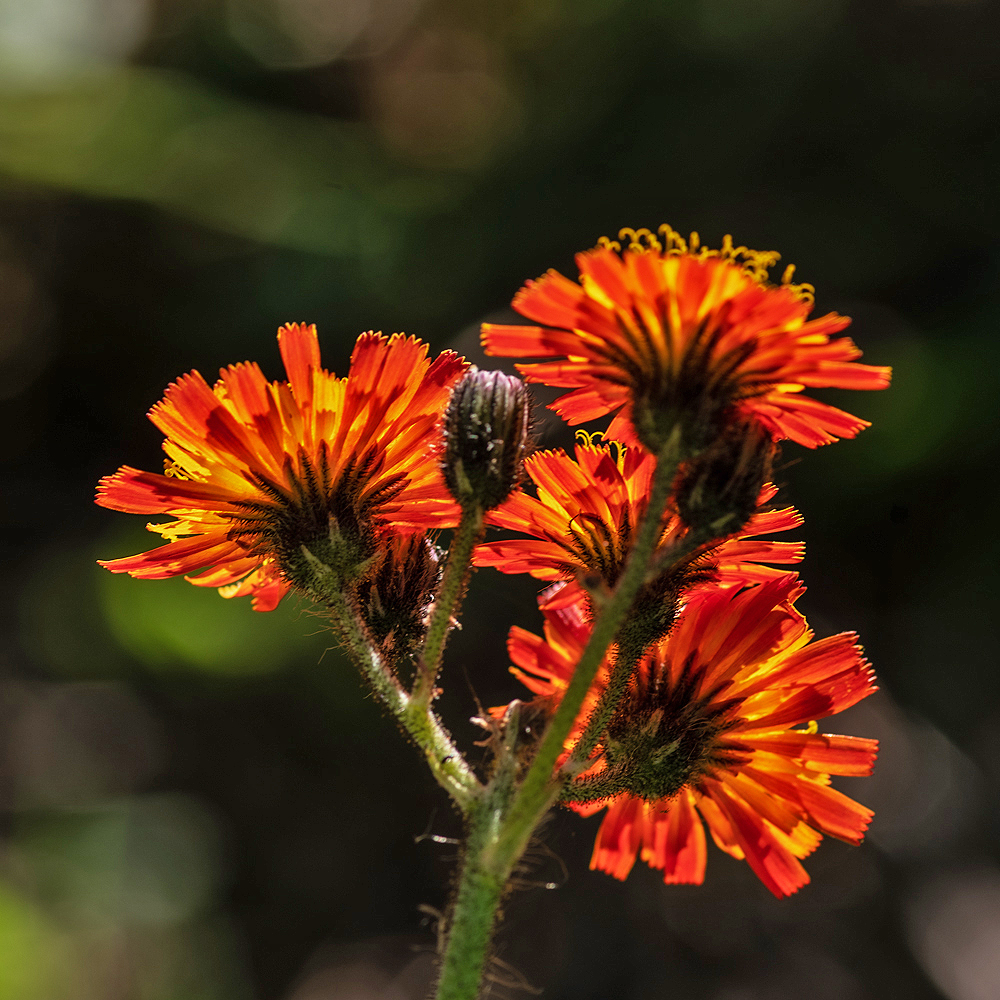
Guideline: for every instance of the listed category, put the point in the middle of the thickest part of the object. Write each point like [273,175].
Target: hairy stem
[477,903]
[625,664]
[627,658]
[482,881]
[540,788]
[502,822]
[425,729]
[456,577]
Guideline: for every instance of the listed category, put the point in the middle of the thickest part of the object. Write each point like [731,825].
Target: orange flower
[662,332]
[704,733]
[258,469]
[587,513]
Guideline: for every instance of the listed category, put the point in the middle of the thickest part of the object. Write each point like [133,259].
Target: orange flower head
[667,333]
[707,733]
[259,470]
[583,521]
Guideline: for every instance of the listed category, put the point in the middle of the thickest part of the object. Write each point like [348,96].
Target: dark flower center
[334,519]
[662,739]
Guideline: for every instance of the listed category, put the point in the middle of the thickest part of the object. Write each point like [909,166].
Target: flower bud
[717,492]
[486,438]
[394,596]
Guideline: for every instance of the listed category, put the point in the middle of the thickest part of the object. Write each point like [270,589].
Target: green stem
[540,789]
[477,902]
[481,885]
[456,576]
[625,662]
[501,823]
[425,729]
[621,673]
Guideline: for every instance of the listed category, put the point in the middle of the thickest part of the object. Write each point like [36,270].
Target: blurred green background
[199,802]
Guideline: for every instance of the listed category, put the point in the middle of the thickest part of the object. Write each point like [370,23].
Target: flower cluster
[697,350]
[707,687]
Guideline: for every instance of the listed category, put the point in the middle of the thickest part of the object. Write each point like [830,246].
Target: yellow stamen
[756,264]
[595,439]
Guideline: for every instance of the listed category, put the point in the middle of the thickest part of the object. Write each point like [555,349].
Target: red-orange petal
[825,753]
[772,862]
[618,839]
[684,847]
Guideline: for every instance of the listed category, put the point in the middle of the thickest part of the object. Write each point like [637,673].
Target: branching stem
[501,826]
[540,788]
[425,729]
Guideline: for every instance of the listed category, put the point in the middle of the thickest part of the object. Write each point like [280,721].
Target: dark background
[200,802]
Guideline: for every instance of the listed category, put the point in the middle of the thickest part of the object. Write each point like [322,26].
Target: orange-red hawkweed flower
[705,733]
[666,332]
[258,469]
[586,514]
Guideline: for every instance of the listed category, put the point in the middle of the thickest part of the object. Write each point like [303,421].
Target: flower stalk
[625,663]
[446,762]
[495,848]
[540,790]
[482,880]
[453,586]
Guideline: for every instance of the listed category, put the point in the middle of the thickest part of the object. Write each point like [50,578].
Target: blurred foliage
[84,621]
[200,802]
[30,950]
[174,626]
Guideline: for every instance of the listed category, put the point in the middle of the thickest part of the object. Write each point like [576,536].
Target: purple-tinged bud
[485,438]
